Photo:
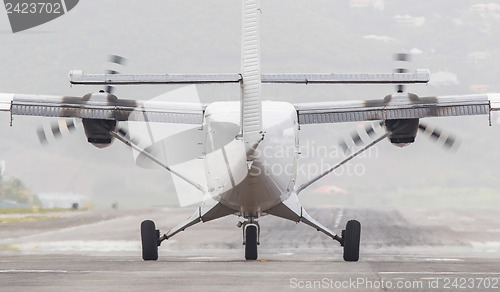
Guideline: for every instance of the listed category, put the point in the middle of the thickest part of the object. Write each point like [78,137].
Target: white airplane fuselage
[250,183]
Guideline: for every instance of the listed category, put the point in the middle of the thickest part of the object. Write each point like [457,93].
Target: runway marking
[264,273]
[80,246]
[67,229]
[302,273]
[438,273]
[33,271]
[444,260]
[201,258]
[338,218]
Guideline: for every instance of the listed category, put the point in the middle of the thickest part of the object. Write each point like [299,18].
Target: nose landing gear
[251,237]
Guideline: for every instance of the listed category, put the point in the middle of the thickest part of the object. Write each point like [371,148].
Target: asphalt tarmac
[402,250]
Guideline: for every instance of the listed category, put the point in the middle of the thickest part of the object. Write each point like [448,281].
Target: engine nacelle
[96,130]
[405,131]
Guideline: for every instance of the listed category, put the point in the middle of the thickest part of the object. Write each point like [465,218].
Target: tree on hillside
[15,190]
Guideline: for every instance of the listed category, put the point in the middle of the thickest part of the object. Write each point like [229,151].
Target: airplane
[240,175]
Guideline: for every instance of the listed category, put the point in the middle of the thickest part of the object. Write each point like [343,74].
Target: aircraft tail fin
[251,103]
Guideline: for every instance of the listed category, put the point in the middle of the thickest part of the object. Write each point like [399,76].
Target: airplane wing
[78,77]
[107,107]
[391,107]
[397,106]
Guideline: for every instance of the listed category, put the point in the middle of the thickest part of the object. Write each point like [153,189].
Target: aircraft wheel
[149,238]
[352,237]
[251,242]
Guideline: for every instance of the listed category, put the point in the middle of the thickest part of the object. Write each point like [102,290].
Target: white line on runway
[67,229]
[438,273]
[302,273]
[33,271]
[339,217]
[201,258]
[444,260]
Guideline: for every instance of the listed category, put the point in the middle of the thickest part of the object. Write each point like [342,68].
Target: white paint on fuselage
[250,187]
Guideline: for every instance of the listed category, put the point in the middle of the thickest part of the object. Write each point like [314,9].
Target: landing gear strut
[251,237]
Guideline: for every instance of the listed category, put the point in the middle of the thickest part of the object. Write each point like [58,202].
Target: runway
[402,250]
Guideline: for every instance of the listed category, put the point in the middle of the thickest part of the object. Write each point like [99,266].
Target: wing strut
[305,185]
[120,136]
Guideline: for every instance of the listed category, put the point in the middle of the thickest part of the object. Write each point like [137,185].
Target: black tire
[251,243]
[149,237]
[352,237]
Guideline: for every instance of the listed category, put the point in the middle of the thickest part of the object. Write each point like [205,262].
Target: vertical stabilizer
[251,104]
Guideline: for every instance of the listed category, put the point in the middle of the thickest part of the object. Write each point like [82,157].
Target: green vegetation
[9,248]
[15,190]
[26,219]
[34,210]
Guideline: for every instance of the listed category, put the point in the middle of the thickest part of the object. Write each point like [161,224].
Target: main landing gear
[251,236]
[150,240]
[351,237]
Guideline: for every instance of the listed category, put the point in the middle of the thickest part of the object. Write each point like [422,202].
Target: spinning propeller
[369,131]
[118,60]
[403,131]
[436,134]
[58,129]
[402,57]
